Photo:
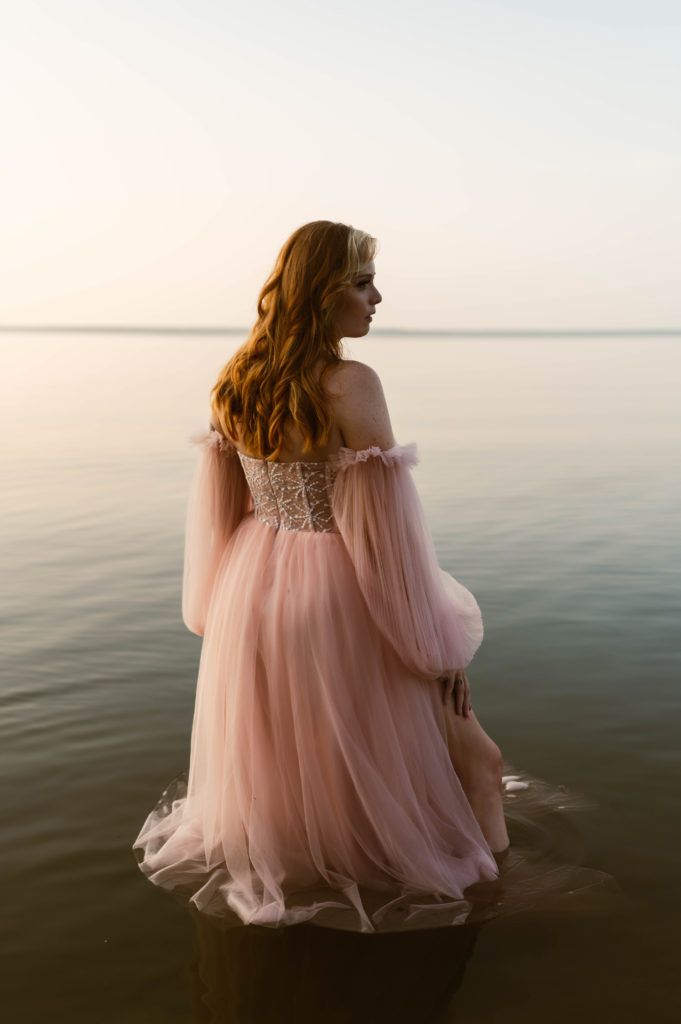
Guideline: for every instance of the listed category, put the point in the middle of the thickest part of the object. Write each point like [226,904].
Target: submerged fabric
[320,783]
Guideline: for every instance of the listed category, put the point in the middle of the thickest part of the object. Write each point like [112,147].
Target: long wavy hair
[271,381]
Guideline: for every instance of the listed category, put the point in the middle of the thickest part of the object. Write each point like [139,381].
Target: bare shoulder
[359,405]
[350,377]
[350,384]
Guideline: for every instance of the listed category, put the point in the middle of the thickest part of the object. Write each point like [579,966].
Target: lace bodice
[291,495]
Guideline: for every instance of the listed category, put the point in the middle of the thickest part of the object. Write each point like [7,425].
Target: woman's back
[294,492]
[359,415]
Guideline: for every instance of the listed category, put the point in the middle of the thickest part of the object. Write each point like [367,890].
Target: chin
[358,332]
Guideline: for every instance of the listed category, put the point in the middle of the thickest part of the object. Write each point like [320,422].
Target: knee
[492,766]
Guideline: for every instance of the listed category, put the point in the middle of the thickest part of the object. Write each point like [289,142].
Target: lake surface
[549,473]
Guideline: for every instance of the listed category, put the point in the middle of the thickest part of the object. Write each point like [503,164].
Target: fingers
[455,684]
[467,696]
[459,692]
[462,694]
[467,706]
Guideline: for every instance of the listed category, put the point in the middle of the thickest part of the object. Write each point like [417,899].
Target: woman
[338,772]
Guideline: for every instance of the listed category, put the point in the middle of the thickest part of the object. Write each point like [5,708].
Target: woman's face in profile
[357,304]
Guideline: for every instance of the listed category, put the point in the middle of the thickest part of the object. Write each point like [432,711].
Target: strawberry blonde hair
[270,382]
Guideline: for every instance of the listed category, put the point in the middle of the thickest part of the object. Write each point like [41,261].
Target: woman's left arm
[217,502]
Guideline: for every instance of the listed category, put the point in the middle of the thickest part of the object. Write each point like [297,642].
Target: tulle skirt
[320,783]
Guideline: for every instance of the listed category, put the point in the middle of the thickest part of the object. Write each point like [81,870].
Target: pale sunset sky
[519,161]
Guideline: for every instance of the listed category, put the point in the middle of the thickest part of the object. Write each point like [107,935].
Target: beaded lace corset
[291,495]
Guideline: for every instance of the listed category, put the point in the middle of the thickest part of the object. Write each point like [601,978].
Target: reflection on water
[306,974]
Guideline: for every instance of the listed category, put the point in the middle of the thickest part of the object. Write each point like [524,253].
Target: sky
[519,162]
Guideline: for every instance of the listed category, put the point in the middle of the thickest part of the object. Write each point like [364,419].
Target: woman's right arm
[432,622]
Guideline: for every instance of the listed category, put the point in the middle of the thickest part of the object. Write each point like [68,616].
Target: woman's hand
[455,683]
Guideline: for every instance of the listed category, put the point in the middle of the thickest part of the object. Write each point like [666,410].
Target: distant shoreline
[406,332]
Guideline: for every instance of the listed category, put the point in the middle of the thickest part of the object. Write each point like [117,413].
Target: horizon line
[407,331]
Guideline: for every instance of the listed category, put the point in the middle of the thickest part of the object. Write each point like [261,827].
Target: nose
[377,295]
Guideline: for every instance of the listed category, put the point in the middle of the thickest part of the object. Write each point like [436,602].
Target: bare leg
[478,763]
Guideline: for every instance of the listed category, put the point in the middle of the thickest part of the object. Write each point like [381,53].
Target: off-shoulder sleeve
[217,501]
[431,620]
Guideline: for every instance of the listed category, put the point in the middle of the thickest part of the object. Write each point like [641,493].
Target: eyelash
[363,284]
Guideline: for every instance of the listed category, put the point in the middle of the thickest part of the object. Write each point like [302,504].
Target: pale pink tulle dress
[320,784]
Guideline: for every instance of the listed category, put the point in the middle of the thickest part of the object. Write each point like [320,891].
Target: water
[549,476]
